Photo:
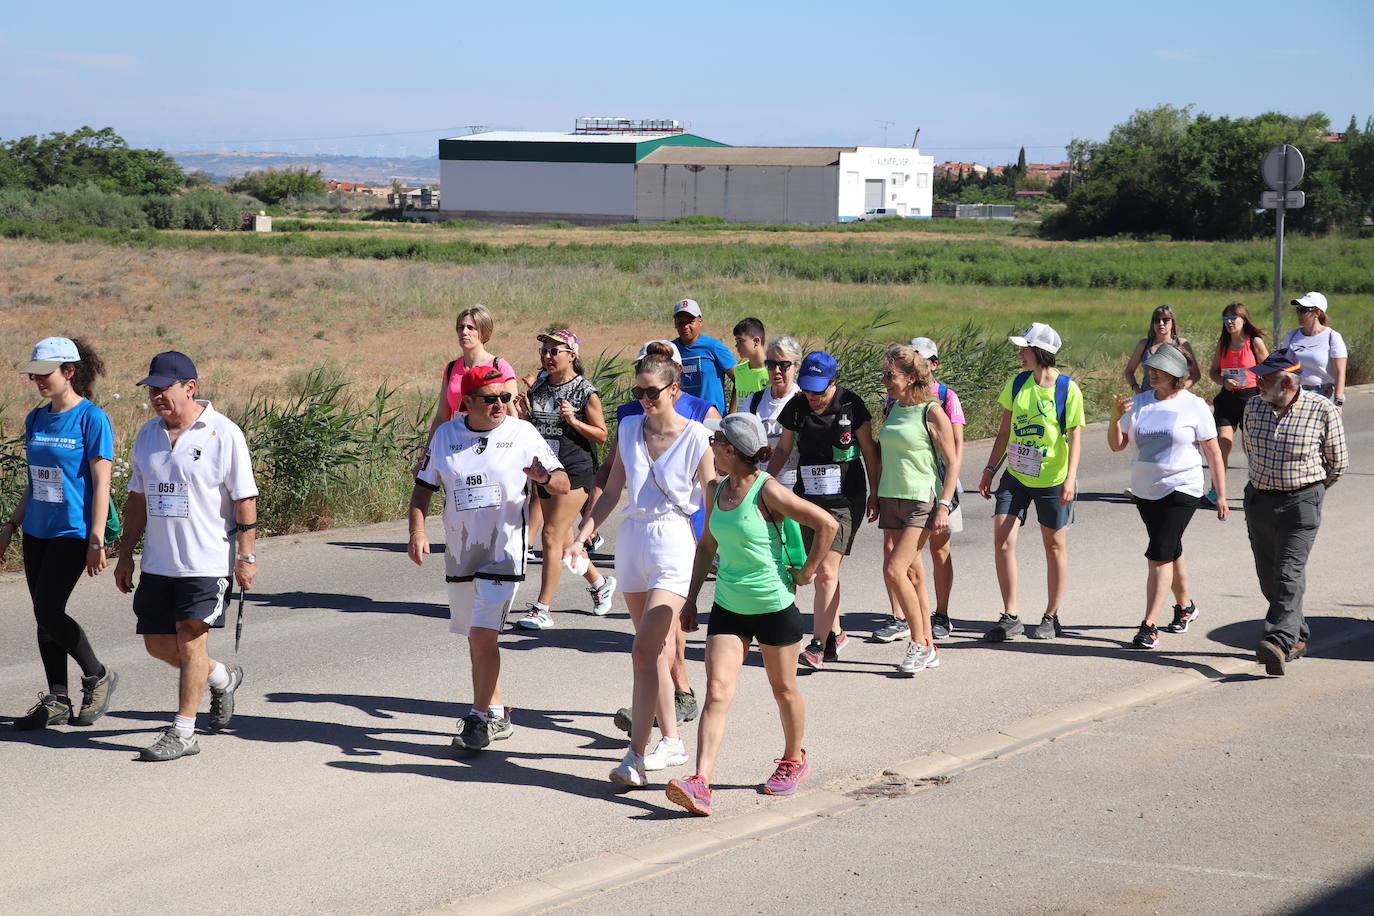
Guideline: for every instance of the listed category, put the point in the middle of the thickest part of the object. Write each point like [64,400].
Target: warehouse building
[609,171]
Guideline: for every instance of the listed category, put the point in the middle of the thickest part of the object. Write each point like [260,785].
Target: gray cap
[745,432]
[1168,358]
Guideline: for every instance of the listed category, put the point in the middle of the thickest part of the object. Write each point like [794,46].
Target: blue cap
[818,370]
[1281,360]
[169,367]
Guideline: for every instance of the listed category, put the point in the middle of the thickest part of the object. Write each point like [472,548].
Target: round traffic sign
[1283,168]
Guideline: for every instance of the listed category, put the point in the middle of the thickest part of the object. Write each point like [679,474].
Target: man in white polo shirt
[193,499]
[484,459]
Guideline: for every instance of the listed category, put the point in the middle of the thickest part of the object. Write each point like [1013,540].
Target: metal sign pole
[1278,267]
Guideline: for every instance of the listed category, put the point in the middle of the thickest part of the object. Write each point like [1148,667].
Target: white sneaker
[601,597]
[917,659]
[630,772]
[535,619]
[934,657]
[670,752]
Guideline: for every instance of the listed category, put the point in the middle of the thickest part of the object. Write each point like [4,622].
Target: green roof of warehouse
[553,146]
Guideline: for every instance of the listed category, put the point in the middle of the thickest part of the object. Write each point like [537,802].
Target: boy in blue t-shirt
[705,361]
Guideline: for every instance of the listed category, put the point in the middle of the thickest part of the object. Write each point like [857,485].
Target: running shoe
[222,699]
[1006,627]
[813,656]
[685,705]
[499,727]
[835,644]
[601,597]
[49,710]
[916,659]
[95,696]
[630,772]
[1183,618]
[170,746]
[788,775]
[934,657]
[535,619]
[476,734]
[1048,628]
[892,629]
[1211,497]
[1147,637]
[670,752]
[691,793]
[530,554]
[595,544]
[939,625]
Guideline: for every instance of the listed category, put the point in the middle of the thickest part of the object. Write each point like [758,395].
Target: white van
[881,213]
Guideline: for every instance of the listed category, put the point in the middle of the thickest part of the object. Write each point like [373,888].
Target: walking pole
[238,625]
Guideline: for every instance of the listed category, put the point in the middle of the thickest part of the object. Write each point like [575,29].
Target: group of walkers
[759,470]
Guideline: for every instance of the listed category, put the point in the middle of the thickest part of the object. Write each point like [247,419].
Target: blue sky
[979,80]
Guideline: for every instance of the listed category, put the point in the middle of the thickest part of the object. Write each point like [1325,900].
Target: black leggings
[53,566]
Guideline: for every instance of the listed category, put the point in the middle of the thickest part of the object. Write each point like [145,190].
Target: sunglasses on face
[782,364]
[1164,321]
[553,351]
[1307,309]
[718,439]
[1229,318]
[647,394]
[888,375]
[503,397]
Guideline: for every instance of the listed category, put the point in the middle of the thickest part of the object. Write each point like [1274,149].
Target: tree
[87,156]
[272,186]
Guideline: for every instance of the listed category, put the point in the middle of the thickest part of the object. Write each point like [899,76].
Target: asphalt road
[335,790]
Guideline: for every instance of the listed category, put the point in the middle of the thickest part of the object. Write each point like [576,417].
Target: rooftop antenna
[914,136]
[885,126]
[476,128]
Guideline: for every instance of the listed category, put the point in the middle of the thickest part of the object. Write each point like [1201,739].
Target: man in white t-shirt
[484,460]
[193,500]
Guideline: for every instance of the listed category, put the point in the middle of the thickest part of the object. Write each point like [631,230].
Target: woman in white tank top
[661,459]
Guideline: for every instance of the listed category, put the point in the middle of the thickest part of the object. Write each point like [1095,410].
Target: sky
[978,80]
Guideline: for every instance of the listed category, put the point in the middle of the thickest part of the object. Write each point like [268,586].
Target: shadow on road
[327,601]
[1353,897]
[1246,634]
[64,737]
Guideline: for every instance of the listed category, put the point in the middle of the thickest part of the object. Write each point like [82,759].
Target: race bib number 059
[169,499]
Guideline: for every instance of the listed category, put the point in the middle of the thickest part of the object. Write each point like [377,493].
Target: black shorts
[161,601]
[775,628]
[1165,521]
[577,480]
[1228,407]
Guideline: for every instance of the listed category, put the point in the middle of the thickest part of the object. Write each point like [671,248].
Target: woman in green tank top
[752,523]
[916,491]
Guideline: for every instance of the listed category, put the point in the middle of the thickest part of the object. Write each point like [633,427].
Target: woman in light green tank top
[751,522]
[916,491]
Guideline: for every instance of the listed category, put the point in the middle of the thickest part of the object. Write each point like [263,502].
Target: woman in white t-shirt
[1171,428]
[782,359]
[1320,348]
[661,460]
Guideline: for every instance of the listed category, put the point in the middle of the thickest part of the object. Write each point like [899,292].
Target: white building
[598,176]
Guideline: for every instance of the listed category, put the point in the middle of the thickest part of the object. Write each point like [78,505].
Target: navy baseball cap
[169,367]
[818,370]
[1281,360]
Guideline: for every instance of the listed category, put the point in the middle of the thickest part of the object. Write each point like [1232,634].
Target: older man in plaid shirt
[1296,444]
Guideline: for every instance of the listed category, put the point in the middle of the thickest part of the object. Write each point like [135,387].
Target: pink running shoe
[787,776]
[691,793]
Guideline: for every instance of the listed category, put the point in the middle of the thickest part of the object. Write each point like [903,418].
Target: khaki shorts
[850,517]
[895,514]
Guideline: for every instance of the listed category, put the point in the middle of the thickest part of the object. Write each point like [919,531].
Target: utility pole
[885,125]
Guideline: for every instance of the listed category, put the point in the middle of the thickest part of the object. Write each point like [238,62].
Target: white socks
[493,711]
[219,676]
[184,726]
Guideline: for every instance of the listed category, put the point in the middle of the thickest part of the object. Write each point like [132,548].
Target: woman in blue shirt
[69,445]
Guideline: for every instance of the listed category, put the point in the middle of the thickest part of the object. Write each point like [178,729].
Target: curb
[582,879]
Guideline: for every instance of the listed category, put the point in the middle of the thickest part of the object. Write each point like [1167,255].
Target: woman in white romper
[661,458]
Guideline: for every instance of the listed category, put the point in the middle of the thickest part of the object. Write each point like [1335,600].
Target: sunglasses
[1164,321]
[650,394]
[1307,309]
[503,397]
[718,439]
[887,375]
[1229,318]
[553,351]
[783,364]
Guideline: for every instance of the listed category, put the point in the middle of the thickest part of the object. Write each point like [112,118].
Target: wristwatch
[249,558]
[1339,402]
[948,504]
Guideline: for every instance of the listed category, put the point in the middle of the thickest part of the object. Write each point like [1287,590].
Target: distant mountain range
[411,170]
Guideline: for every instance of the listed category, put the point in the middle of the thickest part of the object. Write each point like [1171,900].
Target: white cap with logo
[1310,301]
[1041,336]
[689,306]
